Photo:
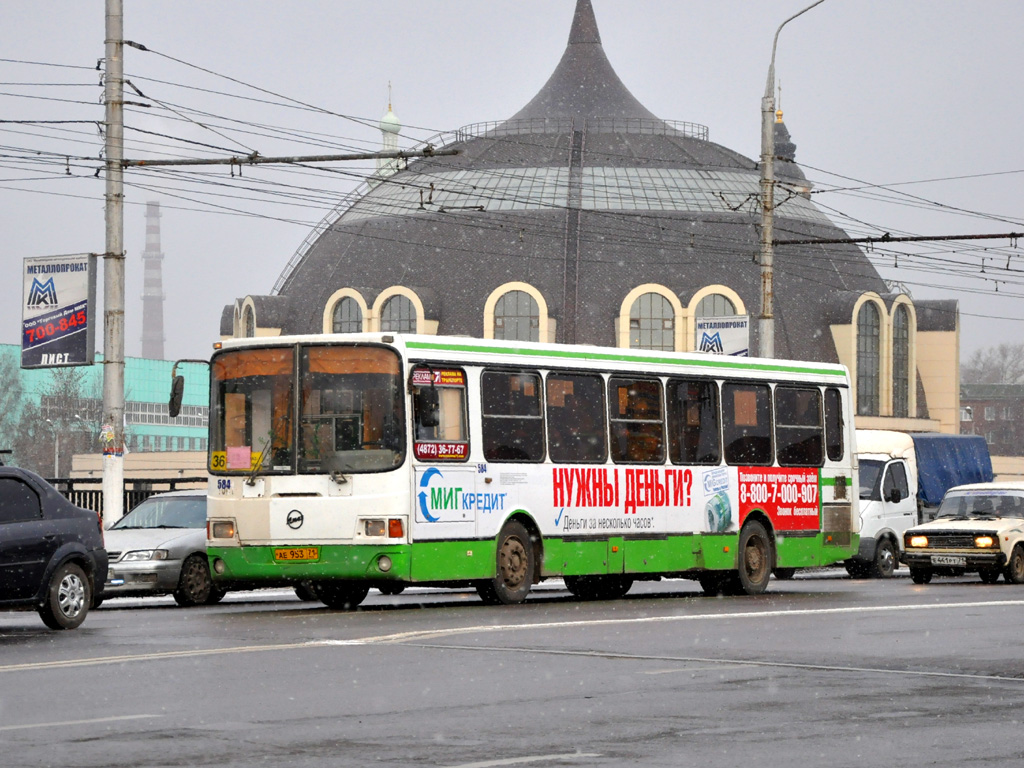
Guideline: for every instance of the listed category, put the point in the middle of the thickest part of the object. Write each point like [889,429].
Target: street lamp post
[56,449]
[766,322]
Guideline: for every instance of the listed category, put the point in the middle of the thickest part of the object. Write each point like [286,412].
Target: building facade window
[901,362]
[398,315]
[517,317]
[347,317]
[248,323]
[652,323]
[868,367]
[715,305]
[990,413]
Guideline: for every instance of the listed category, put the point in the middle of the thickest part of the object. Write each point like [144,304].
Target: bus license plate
[297,554]
[949,560]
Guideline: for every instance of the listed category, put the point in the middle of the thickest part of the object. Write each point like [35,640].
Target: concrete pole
[766,322]
[113,270]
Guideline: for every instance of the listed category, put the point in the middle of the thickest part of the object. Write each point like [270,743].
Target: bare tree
[1001,364]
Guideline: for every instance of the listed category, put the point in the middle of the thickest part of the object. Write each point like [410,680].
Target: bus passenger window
[693,422]
[637,425]
[575,410]
[439,406]
[747,424]
[834,424]
[513,422]
[798,427]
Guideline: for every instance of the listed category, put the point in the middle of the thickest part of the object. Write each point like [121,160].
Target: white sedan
[979,529]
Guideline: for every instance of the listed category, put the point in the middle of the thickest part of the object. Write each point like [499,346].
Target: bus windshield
[350,410]
[251,419]
[351,407]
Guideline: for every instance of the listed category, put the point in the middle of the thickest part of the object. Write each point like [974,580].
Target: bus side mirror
[177,392]
[428,407]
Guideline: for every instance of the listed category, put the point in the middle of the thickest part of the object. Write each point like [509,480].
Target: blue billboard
[57,323]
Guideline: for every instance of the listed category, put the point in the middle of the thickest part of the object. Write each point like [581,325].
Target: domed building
[586,219]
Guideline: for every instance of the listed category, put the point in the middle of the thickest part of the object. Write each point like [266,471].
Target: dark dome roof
[585,195]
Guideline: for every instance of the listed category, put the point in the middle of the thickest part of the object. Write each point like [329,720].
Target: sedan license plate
[297,554]
[949,560]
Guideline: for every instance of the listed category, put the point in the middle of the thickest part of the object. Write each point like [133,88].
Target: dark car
[51,552]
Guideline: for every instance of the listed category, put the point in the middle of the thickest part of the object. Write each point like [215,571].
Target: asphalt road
[821,671]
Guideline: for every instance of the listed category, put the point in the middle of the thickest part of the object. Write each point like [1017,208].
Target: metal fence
[87,492]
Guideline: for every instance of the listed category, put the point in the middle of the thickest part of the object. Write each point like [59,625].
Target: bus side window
[693,422]
[637,425]
[575,411]
[747,424]
[798,427]
[834,448]
[513,421]
[439,414]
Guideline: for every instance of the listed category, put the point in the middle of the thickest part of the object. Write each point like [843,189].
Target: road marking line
[721,663]
[525,760]
[421,635]
[402,637]
[77,722]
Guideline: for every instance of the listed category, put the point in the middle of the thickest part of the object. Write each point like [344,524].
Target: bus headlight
[984,542]
[222,529]
[373,527]
[384,563]
[919,541]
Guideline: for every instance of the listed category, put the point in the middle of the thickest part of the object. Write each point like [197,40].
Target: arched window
[517,317]
[901,362]
[715,305]
[868,368]
[248,323]
[348,316]
[398,315]
[652,323]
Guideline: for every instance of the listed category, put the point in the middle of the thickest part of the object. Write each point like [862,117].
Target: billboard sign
[729,335]
[57,323]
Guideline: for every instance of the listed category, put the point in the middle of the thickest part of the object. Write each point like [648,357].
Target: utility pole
[766,322]
[113,268]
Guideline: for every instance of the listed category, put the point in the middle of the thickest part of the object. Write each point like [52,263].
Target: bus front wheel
[514,567]
[755,558]
[341,595]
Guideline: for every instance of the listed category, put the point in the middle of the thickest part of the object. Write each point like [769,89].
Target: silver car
[159,548]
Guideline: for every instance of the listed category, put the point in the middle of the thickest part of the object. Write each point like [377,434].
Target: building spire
[584,85]
[584,25]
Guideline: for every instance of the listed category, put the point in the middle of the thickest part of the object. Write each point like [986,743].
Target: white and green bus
[385,460]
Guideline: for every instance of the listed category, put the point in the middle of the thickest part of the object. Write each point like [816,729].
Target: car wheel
[305,592]
[389,588]
[785,574]
[884,564]
[920,575]
[195,582]
[712,584]
[989,575]
[67,598]
[857,569]
[341,595]
[1014,571]
[216,595]
[514,567]
[755,558]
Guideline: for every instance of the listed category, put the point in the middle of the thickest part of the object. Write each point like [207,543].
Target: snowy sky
[906,115]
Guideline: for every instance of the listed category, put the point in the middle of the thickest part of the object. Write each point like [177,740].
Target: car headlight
[984,542]
[144,554]
[919,541]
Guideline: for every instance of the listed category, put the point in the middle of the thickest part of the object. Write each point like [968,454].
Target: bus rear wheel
[341,595]
[514,567]
[755,558]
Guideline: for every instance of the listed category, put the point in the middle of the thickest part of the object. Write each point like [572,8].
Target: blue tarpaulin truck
[903,477]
